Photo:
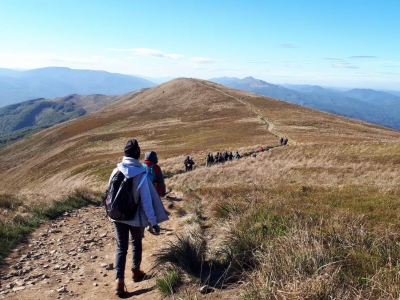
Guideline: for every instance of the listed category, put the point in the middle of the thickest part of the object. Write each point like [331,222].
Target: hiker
[209,159]
[188,164]
[285,141]
[230,156]
[261,149]
[150,210]
[281,140]
[237,155]
[226,156]
[217,158]
[154,172]
[221,158]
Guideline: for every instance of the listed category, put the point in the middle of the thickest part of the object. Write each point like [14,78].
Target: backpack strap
[144,176]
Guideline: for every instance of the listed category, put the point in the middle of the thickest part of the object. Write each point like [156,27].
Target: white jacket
[151,209]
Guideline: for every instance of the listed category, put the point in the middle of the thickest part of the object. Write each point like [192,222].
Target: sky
[338,43]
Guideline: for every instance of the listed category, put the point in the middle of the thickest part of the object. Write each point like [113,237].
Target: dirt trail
[269,124]
[70,257]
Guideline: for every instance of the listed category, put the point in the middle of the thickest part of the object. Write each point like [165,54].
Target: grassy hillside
[178,118]
[316,219]
[26,118]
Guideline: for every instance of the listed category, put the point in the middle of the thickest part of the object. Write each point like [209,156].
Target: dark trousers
[122,236]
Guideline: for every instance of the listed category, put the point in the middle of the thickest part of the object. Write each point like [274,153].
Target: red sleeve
[157,170]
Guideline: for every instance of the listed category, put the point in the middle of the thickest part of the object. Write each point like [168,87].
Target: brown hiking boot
[138,275]
[119,287]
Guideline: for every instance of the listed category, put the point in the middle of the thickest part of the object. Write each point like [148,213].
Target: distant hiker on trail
[217,158]
[188,164]
[230,156]
[261,149]
[221,158]
[285,141]
[209,159]
[281,140]
[154,172]
[150,210]
[226,156]
[237,155]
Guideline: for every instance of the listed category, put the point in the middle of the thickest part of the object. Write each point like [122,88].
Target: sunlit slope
[180,117]
[305,125]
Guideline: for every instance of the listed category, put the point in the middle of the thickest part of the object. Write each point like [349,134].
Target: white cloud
[56,58]
[148,52]
[257,62]
[31,61]
[293,65]
[362,56]
[343,65]
[202,60]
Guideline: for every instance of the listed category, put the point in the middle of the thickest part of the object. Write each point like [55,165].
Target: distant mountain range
[368,105]
[18,86]
[28,117]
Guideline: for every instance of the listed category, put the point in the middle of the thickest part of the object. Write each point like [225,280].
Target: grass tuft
[169,282]
[186,252]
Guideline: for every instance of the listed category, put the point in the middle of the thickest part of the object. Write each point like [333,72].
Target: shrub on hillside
[187,252]
[169,282]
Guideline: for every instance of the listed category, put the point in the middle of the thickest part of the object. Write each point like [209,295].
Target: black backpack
[118,200]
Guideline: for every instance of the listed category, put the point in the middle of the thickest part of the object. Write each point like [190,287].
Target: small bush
[168,283]
[186,252]
[8,201]
[226,210]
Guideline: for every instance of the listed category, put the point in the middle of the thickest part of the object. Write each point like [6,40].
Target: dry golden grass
[311,221]
[334,170]
[179,118]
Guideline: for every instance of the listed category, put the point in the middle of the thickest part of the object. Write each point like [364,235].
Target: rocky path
[269,123]
[72,258]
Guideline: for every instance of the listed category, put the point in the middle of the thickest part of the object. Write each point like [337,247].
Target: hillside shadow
[216,277]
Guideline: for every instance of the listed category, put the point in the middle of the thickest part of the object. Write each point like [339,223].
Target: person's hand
[156,229]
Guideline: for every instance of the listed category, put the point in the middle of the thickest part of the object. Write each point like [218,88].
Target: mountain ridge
[52,82]
[363,104]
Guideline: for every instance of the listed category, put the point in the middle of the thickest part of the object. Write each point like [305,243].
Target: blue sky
[340,43]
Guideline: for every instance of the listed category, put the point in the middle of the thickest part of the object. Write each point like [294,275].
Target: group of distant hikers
[133,202]
[220,157]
